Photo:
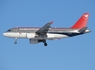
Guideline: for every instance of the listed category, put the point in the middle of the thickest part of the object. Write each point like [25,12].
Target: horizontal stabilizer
[82,30]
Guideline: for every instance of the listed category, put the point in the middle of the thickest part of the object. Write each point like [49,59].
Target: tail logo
[86,16]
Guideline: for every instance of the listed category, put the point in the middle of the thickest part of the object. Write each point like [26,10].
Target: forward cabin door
[22,34]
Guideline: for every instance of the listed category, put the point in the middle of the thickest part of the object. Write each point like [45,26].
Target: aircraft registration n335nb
[37,34]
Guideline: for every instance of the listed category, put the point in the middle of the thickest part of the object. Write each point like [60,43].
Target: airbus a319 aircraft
[37,34]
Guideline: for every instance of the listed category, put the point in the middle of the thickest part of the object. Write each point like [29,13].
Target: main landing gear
[45,44]
[44,41]
[15,42]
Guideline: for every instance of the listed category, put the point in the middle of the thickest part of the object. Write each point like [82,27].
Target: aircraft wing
[43,30]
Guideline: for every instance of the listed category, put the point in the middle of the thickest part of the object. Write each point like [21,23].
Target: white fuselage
[34,36]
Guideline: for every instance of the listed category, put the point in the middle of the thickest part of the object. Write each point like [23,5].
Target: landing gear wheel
[45,44]
[15,42]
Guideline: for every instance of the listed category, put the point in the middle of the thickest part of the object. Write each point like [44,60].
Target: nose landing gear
[15,42]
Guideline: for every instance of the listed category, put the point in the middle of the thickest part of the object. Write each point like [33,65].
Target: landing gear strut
[45,44]
[15,42]
[44,41]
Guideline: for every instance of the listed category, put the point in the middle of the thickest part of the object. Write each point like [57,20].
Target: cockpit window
[9,30]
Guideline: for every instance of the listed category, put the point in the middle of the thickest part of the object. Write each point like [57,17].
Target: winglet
[81,23]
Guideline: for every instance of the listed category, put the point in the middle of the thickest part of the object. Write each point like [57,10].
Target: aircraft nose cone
[4,34]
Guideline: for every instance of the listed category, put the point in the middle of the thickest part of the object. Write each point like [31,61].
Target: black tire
[15,42]
[45,44]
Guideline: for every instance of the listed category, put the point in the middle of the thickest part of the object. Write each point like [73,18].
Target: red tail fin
[82,21]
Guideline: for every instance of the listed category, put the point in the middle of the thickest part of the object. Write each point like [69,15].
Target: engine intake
[33,41]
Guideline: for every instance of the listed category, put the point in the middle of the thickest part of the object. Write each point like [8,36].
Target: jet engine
[33,41]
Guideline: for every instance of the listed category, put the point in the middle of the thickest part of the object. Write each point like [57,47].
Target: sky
[75,53]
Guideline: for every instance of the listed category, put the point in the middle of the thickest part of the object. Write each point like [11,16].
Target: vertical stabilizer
[82,22]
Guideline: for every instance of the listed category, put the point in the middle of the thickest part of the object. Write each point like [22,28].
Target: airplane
[41,34]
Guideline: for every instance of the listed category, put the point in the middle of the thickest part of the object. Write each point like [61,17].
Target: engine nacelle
[31,35]
[33,41]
